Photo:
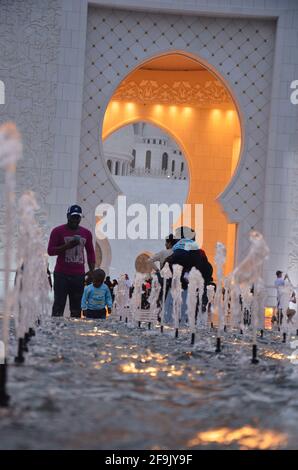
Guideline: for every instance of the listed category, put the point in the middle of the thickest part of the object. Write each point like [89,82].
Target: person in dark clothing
[69,242]
[114,288]
[187,254]
[109,283]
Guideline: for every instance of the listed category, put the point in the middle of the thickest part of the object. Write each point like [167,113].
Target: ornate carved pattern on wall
[293,241]
[30,34]
[241,50]
[177,93]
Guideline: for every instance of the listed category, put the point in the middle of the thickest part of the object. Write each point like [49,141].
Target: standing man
[280,281]
[68,242]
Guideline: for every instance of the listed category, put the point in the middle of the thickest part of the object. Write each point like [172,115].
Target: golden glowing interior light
[187,111]
[215,114]
[247,437]
[230,114]
[173,109]
[157,108]
[129,106]
[114,105]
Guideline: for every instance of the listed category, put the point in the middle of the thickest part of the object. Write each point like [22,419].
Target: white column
[281,189]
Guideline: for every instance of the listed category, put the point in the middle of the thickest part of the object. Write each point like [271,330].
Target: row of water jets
[27,301]
[238,299]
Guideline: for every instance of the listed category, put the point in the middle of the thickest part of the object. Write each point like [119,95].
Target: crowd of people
[94,293]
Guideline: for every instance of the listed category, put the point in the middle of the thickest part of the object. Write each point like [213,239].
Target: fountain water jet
[210,304]
[10,153]
[248,275]
[166,274]
[194,292]
[176,290]
[220,258]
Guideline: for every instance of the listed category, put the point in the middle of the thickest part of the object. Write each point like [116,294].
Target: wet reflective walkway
[104,385]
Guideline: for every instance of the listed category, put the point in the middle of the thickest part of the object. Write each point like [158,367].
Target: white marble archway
[240,51]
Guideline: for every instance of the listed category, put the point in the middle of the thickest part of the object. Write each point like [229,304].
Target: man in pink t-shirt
[68,243]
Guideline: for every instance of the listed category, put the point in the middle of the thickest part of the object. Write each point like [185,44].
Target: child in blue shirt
[96,297]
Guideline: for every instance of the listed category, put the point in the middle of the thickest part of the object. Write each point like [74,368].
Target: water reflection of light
[174,373]
[129,356]
[97,332]
[98,364]
[247,437]
[130,368]
[275,355]
[152,370]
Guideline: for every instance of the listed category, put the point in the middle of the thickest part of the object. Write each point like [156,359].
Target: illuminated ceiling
[173,79]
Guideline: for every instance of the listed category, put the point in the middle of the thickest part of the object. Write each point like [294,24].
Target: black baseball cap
[74,210]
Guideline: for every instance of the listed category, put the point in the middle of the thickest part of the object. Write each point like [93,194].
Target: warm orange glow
[209,137]
[157,108]
[187,111]
[247,437]
[216,114]
[130,107]
[115,105]
[269,312]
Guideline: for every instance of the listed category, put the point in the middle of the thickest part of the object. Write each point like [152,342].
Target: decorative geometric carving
[177,93]
[293,242]
[30,35]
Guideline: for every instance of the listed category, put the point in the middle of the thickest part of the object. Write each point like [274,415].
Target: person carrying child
[96,297]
